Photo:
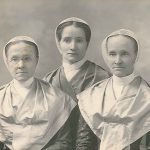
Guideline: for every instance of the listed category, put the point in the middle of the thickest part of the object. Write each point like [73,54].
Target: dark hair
[82,25]
[22,41]
[129,37]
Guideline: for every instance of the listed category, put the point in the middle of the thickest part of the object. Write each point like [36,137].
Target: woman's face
[73,44]
[121,55]
[21,61]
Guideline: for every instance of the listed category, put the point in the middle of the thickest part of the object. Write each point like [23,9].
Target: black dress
[3,146]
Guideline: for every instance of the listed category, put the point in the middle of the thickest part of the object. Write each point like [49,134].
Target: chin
[119,74]
[21,79]
[73,61]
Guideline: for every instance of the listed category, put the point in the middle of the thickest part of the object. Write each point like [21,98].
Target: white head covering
[124,32]
[74,19]
[17,39]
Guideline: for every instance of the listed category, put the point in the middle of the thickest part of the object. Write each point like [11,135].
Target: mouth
[118,67]
[71,53]
[21,72]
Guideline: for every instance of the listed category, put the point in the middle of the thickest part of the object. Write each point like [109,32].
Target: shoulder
[43,83]
[4,86]
[55,97]
[49,88]
[144,83]
[51,74]
[95,87]
[144,86]
[100,70]
[100,84]
[55,93]
[3,89]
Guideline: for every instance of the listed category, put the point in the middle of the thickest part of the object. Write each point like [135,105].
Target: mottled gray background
[38,19]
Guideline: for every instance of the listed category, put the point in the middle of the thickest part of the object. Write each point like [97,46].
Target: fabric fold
[43,112]
[127,120]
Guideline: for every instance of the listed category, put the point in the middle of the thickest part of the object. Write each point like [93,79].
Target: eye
[125,54]
[79,40]
[14,59]
[27,58]
[111,54]
[67,40]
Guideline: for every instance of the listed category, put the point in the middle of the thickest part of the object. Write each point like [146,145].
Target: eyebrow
[26,55]
[111,51]
[80,37]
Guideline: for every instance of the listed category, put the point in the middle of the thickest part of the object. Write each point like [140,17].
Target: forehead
[20,49]
[120,42]
[73,31]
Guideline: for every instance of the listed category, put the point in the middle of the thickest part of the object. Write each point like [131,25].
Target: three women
[116,110]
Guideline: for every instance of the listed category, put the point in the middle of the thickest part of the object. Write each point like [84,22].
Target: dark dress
[82,137]
[148,141]
[3,146]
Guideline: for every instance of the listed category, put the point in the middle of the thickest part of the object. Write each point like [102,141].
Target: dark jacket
[82,136]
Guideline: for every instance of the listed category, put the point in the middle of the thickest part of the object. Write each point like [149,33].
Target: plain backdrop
[39,18]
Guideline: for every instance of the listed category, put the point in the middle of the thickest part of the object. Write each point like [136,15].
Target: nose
[73,45]
[118,59]
[20,64]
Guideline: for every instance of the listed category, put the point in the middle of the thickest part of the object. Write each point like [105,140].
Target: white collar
[75,66]
[25,85]
[122,81]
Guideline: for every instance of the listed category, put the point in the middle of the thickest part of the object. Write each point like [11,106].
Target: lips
[118,67]
[21,72]
[72,53]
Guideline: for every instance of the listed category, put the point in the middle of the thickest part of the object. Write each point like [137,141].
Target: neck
[23,84]
[73,66]
[124,80]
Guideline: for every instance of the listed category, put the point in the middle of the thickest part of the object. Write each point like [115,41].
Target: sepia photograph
[74,75]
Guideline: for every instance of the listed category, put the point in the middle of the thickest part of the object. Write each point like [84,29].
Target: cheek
[32,66]
[63,48]
[11,67]
[132,58]
[83,48]
[83,52]
[110,60]
[63,45]
[131,61]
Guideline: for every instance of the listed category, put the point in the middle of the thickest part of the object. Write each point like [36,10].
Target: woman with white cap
[118,109]
[31,110]
[76,74]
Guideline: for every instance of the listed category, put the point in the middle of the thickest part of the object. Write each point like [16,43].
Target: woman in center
[75,75]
